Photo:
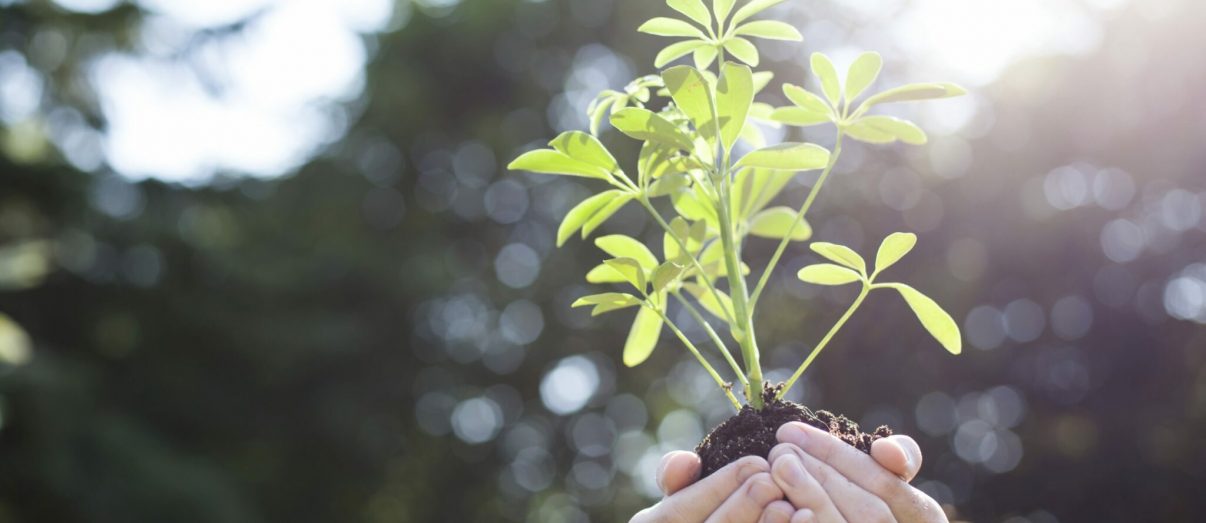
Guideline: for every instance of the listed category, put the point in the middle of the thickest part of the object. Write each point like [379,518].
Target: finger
[906,502]
[778,512]
[749,502]
[696,502]
[801,489]
[804,516]
[850,462]
[898,454]
[852,501]
[677,470]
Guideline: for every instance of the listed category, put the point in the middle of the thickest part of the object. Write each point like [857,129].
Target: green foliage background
[276,368]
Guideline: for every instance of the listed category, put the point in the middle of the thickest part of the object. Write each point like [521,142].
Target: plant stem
[812,195]
[725,386]
[744,330]
[682,245]
[724,350]
[825,341]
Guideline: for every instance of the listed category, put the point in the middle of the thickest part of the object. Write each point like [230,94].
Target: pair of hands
[810,476]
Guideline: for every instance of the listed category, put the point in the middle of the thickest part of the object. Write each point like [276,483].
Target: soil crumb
[752,432]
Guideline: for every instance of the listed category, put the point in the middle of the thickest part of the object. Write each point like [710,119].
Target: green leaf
[776,222]
[692,206]
[893,248]
[722,8]
[665,274]
[606,213]
[712,260]
[753,8]
[886,129]
[734,95]
[631,270]
[607,302]
[693,95]
[936,321]
[827,74]
[717,304]
[800,117]
[662,26]
[755,188]
[864,132]
[669,184]
[828,274]
[696,235]
[655,161]
[670,247]
[753,137]
[914,92]
[762,79]
[678,50]
[621,246]
[693,9]
[583,212]
[704,56]
[642,338]
[840,254]
[772,29]
[743,50]
[585,148]
[806,99]
[787,156]
[603,273]
[645,125]
[862,73]
[598,112]
[548,161]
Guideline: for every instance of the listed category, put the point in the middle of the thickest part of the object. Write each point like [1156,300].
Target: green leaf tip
[936,321]
[828,274]
[549,161]
[607,302]
[630,270]
[840,254]
[787,156]
[621,246]
[642,337]
[893,248]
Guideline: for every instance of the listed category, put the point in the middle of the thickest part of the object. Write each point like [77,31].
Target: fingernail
[661,472]
[908,456]
[794,432]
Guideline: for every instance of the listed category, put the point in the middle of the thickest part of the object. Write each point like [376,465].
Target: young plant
[689,121]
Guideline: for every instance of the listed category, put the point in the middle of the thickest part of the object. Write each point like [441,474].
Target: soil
[752,432]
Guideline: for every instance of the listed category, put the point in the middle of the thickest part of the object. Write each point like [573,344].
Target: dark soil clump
[752,432]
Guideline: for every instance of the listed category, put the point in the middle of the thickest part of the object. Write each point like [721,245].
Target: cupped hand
[828,481]
[737,493]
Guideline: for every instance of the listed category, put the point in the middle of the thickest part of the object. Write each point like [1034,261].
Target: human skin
[817,478]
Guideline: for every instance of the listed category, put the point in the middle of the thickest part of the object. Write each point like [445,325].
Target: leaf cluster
[689,120]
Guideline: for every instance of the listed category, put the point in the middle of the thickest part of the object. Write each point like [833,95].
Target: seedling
[689,121]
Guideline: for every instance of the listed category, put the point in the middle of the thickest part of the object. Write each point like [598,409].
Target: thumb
[678,470]
[899,454]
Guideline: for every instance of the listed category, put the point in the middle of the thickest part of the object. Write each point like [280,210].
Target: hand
[828,481]
[737,493]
